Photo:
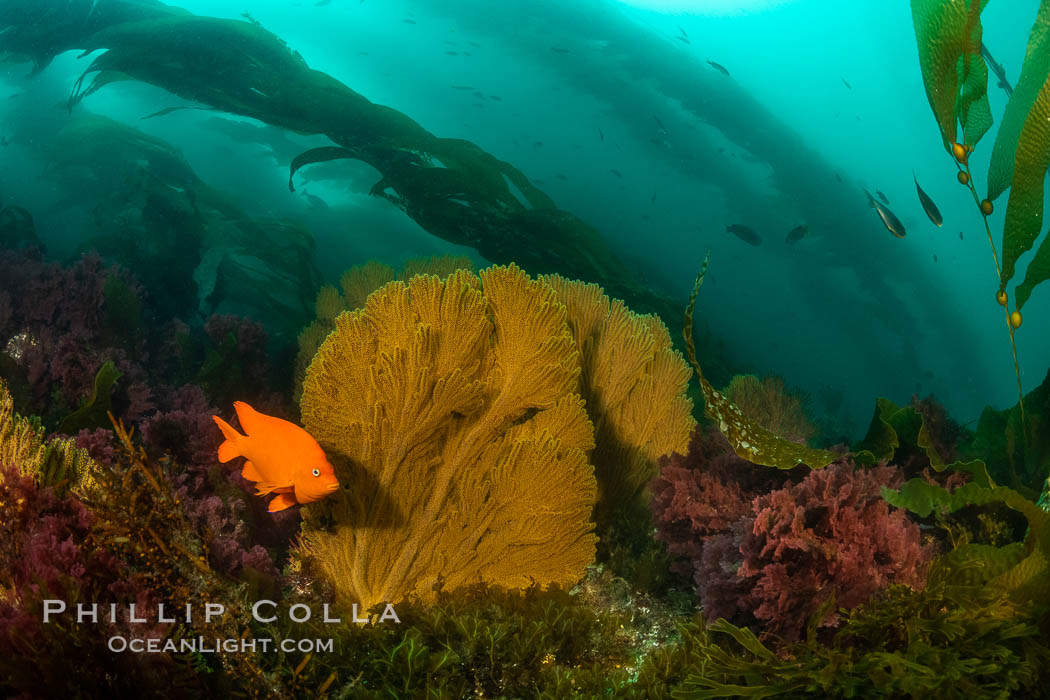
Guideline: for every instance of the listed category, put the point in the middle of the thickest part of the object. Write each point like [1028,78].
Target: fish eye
[317,472]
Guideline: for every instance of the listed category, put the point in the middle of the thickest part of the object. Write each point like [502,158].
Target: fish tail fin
[229,449]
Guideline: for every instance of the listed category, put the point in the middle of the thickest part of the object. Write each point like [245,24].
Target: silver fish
[997,68]
[889,219]
[927,204]
[797,234]
[744,233]
[718,67]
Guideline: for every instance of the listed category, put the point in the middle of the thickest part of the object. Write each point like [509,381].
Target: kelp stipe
[948,34]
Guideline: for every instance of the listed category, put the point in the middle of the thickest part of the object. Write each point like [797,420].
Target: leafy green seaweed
[475,642]
[1022,462]
[898,431]
[891,427]
[1027,578]
[946,640]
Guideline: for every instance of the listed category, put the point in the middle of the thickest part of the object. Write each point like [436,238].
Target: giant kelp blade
[975,114]
[239,67]
[1034,73]
[317,155]
[1038,270]
[101,79]
[750,440]
[168,110]
[1024,212]
[948,34]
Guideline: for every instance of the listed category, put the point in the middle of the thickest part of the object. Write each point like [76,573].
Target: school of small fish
[879,202]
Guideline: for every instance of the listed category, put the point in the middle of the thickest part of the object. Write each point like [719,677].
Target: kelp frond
[948,34]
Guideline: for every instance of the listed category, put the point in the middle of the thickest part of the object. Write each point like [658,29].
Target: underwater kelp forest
[455,349]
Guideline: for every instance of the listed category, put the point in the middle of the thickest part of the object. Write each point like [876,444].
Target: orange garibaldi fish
[282,458]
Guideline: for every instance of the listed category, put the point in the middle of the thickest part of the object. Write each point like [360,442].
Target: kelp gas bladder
[955,74]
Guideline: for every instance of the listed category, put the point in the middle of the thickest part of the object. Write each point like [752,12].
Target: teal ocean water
[369,314]
[613,110]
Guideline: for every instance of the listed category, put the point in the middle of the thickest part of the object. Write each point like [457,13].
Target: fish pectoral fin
[282,501]
[250,473]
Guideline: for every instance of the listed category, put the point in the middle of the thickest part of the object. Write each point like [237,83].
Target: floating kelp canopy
[451,187]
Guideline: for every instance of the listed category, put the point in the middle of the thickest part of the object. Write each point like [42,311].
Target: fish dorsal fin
[252,422]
